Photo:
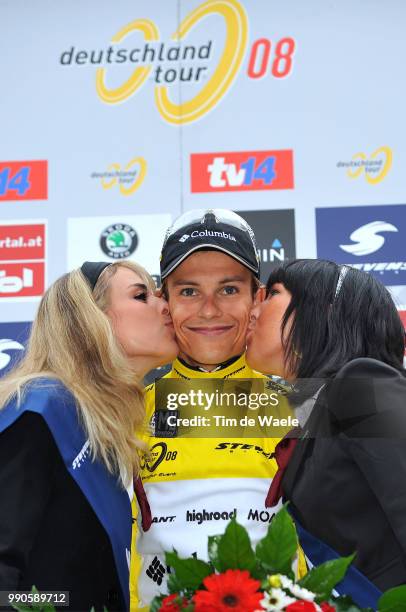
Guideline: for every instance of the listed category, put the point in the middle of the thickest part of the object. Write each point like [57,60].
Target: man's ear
[260,295]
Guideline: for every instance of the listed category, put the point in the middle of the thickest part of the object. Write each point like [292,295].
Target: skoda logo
[119,241]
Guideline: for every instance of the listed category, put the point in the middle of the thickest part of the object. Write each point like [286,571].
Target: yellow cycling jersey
[194,487]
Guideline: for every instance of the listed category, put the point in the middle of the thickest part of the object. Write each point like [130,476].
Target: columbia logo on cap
[184,238]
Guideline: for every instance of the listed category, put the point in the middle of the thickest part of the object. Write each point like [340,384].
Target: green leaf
[46,607]
[213,551]
[191,572]
[344,603]
[277,549]
[174,586]
[323,578]
[234,548]
[260,573]
[393,600]
[156,603]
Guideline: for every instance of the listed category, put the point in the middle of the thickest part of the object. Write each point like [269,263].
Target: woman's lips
[169,326]
[216,330]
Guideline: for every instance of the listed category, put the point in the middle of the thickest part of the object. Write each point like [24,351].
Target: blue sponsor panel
[13,340]
[370,238]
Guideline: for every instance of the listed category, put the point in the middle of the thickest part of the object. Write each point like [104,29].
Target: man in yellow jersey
[210,275]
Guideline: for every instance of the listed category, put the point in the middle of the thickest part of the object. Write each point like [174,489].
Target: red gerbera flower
[326,607]
[301,606]
[234,590]
[173,603]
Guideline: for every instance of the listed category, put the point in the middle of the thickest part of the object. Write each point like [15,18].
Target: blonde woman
[67,448]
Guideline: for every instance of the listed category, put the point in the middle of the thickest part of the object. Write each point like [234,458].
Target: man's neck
[205,367]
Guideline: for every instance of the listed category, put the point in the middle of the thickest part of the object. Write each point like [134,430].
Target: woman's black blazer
[347,478]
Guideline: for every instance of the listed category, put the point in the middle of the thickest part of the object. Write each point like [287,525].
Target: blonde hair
[72,340]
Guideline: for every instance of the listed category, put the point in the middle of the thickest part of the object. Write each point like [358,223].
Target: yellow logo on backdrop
[375,168]
[217,85]
[126,176]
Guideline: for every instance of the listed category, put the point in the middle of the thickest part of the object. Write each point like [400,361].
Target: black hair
[332,326]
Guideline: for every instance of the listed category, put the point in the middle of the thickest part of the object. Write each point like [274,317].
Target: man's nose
[210,307]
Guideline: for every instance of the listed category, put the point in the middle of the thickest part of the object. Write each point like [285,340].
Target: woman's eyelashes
[273,291]
[143,297]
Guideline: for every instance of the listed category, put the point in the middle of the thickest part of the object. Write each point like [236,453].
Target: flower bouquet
[239,579]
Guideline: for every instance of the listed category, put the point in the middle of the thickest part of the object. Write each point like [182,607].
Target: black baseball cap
[216,229]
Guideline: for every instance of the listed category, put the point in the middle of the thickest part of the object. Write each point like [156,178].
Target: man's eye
[230,290]
[188,291]
[141,296]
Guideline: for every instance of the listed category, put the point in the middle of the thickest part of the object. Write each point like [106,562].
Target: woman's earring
[296,354]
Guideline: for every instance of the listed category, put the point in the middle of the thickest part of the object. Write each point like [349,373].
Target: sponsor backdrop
[123,115]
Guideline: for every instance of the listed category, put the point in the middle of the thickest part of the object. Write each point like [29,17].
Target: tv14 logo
[22,260]
[24,180]
[241,171]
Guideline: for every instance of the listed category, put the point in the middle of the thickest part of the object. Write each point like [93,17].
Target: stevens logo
[369,238]
[242,171]
[13,338]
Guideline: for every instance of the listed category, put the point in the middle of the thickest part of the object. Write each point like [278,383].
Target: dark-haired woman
[345,477]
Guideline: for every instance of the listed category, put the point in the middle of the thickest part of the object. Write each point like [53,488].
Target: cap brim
[201,247]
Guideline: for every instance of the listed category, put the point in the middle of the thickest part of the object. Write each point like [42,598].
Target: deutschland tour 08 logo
[184,59]
[118,241]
